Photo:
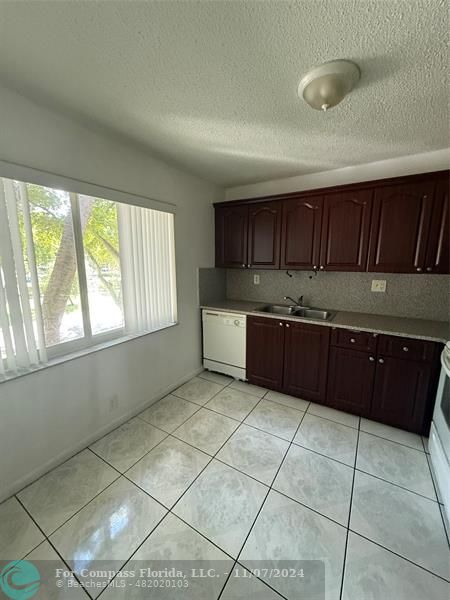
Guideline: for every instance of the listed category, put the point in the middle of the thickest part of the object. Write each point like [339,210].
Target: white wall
[48,415]
[437,160]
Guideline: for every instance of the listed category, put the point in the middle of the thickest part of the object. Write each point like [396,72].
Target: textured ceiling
[212,85]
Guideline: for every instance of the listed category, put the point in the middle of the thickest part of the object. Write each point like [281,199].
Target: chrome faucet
[299,303]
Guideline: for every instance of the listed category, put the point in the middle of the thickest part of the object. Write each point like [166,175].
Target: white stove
[439,443]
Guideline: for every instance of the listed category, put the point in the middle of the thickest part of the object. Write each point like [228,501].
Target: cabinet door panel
[265,352]
[345,231]
[306,361]
[438,251]
[400,227]
[302,222]
[350,380]
[231,236]
[401,393]
[264,235]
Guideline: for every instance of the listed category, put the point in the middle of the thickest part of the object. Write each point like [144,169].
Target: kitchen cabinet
[248,236]
[265,352]
[301,228]
[351,377]
[400,227]
[386,378]
[231,225]
[345,231]
[438,251]
[306,361]
[264,235]
[288,356]
[389,379]
[401,392]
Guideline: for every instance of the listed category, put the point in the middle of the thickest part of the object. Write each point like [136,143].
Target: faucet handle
[300,301]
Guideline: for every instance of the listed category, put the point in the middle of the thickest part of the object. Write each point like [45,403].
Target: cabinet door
[350,380]
[300,238]
[400,227]
[306,361]
[231,236]
[345,231]
[401,393]
[264,235]
[265,352]
[438,251]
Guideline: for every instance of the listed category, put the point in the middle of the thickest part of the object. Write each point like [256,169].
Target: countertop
[433,331]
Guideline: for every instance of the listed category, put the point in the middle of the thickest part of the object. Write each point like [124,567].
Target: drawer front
[356,340]
[407,348]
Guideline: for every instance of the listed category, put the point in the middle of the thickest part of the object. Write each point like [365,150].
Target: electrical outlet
[256,279]
[378,285]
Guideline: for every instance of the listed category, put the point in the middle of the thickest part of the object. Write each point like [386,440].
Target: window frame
[74,187]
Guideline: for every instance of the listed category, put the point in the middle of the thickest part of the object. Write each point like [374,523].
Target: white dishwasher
[224,342]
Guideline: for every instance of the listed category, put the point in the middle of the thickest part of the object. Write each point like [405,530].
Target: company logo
[20,580]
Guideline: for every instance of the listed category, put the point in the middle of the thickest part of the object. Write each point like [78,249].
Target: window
[76,270]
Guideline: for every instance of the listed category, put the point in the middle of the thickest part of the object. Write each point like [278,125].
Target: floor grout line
[344,563]
[264,501]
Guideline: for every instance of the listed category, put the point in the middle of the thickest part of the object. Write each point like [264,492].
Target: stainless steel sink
[278,309]
[295,311]
[314,313]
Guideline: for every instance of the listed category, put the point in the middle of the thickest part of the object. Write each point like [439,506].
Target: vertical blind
[147,280]
[147,253]
[23,337]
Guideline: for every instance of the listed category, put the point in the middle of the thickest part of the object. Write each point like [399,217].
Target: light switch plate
[378,285]
[256,279]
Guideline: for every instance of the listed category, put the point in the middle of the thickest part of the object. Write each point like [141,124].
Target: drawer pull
[280,324]
[371,358]
[287,325]
[381,361]
[352,340]
[405,348]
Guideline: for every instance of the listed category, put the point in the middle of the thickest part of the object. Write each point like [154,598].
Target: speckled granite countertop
[433,331]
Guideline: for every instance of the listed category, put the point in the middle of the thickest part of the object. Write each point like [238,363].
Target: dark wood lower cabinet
[306,361]
[265,352]
[402,389]
[351,376]
[394,381]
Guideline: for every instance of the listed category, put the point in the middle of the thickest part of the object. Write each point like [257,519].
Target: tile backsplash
[417,296]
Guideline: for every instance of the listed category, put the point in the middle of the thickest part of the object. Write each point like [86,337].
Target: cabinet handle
[315,267]
[429,269]
[371,358]
[243,265]
[381,361]
[248,266]
[352,340]
[280,324]
[419,269]
[405,348]
[287,325]
[321,267]
[375,335]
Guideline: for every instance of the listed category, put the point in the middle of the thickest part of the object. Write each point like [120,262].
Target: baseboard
[26,480]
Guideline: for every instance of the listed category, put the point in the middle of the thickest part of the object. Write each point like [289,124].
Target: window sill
[81,353]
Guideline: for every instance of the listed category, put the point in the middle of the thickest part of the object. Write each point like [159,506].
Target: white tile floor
[230,474]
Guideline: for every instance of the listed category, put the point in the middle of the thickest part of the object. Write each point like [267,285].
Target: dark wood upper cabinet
[345,231]
[351,377]
[264,235]
[302,222]
[400,227]
[306,361]
[231,224]
[265,352]
[438,251]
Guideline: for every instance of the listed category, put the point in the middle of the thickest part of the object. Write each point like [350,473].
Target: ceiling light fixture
[325,86]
